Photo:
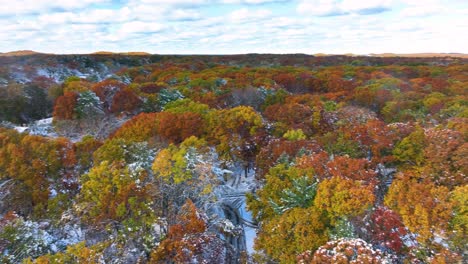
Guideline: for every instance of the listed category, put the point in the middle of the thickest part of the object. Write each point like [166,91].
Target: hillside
[422,55]
[20,53]
[255,158]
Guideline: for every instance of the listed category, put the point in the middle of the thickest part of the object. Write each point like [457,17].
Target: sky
[234,26]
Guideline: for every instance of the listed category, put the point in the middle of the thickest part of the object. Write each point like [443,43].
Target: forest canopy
[233,159]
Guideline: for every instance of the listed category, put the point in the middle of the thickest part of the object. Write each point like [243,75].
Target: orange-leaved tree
[189,240]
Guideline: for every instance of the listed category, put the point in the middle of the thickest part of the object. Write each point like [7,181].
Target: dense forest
[254,158]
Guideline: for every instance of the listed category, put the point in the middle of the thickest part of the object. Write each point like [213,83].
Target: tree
[270,154]
[279,189]
[424,207]
[39,167]
[287,80]
[354,115]
[294,135]
[297,230]
[76,85]
[137,155]
[233,131]
[445,157]
[188,240]
[88,105]
[116,197]
[286,208]
[37,104]
[77,253]
[374,137]
[168,95]
[345,251]
[12,103]
[273,97]
[387,229]
[301,194]
[142,127]
[186,105]
[341,197]
[175,127]
[411,149]
[84,151]
[64,108]
[185,172]
[375,94]
[106,91]
[434,102]
[20,239]
[125,101]
[326,167]
[340,143]
[459,222]
[291,116]
[151,88]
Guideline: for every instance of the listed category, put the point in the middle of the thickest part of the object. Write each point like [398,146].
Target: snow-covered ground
[60,73]
[234,195]
[21,129]
[250,232]
[41,127]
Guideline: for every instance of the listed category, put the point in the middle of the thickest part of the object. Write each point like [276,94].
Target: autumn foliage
[65,106]
[193,159]
[188,239]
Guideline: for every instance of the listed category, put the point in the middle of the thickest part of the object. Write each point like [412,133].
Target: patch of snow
[43,122]
[232,194]
[43,127]
[21,129]
[250,232]
[53,192]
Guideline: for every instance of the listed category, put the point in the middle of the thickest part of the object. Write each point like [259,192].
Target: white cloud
[352,5]
[140,27]
[427,10]
[337,7]
[205,2]
[185,14]
[318,7]
[245,14]
[415,8]
[240,26]
[420,3]
[40,6]
[169,2]
[254,2]
[88,16]
[148,12]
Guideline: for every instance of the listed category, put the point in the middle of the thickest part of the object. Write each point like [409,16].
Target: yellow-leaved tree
[424,207]
[459,223]
[185,172]
[293,232]
[116,198]
[341,197]
[234,132]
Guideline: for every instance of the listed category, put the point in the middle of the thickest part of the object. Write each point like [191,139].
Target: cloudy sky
[234,26]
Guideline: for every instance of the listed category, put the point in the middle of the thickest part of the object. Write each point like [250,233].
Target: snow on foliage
[166,96]
[345,251]
[301,194]
[20,239]
[88,105]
